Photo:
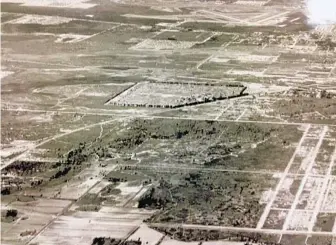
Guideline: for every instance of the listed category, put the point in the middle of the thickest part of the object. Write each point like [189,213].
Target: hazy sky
[321,11]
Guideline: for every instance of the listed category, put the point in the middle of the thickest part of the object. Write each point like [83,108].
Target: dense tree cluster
[72,160]
[9,215]
[60,173]
[189,235]
[205,198]
[5,191]
[156,197]
[113,241]
[326,43]
[24,167]
[141,130]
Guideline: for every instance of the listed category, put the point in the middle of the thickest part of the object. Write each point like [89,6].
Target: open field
[176,122]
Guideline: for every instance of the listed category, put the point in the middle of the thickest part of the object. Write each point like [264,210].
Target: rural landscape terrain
[179,122]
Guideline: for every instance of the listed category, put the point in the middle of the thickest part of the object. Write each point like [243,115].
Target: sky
[321,12]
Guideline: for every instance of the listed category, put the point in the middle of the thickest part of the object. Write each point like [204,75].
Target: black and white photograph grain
[168,122]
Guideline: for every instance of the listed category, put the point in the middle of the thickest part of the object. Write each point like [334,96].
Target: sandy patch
[127,193]
[128,190]
[286,185]
[165,24]
[71,38]
[253,3]
[300,220]
[95,94]
[67,90]
[62,130]
[66,69]
[150,44]
[266,196]
[219,60]
[82,4]
[47,117]
[164,9]
[4,74]
[133,40]
[246,72]
[15,147]
[256,58]
[40,19]
[258,88]
[146,235]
